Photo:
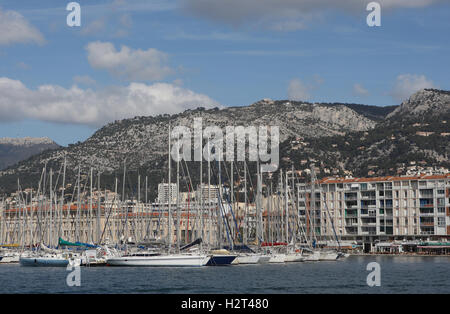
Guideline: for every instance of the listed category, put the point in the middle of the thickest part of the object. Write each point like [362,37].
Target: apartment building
[383,208]
[165,193]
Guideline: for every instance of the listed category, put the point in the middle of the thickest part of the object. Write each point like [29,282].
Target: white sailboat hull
[178,260]
[263,259]
[277,258]
[248,259]
[312,257]
[328,256]
[10,259]
[294,257]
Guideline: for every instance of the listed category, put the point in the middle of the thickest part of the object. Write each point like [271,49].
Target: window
[441,222]
[441,210]
[440,191]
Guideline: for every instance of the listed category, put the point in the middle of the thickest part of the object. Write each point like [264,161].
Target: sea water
[399,274]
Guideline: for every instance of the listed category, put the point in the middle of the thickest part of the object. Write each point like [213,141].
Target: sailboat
[9,257]
[277,258]
[221,258]
[310,255]
[49,258]
[162,259]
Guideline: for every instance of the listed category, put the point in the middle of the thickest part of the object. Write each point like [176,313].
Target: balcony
[368,232]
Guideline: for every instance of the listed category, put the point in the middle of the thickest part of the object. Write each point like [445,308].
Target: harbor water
[399,274]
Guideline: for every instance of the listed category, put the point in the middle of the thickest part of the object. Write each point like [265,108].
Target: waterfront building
[377,209]
[164,194]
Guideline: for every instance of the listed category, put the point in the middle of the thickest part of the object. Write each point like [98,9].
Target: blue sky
[146,57]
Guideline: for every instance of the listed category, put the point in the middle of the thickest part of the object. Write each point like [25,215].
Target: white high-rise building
[163,193]
[209,193]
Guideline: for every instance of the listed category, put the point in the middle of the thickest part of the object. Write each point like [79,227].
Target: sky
[148,57]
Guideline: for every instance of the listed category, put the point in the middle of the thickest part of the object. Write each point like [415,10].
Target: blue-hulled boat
[49,260]
[44,261]
[221,259]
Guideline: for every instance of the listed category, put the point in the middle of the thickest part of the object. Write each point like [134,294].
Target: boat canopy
[67,243]
[9,245]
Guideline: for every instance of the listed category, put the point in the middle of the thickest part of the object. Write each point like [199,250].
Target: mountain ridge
[362,135]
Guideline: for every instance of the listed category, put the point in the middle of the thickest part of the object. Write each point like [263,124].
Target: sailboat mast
[245,205]
[138,224]
[90,238]
[201,200]
[258,204]
[232,201]
[124,211]
[62,201]
[78,206]
[219,213]
[178,200]
[286,200]
[115,210]
[51,208]
[209,197]
[99,210]
[294,229]
[169,220]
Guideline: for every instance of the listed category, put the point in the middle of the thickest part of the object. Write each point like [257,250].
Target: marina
[224,231]
[398,275]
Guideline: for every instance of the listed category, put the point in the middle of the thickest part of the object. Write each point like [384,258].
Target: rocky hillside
[426,103]
[414,137]
[13,150]
[340,138]
[144,139]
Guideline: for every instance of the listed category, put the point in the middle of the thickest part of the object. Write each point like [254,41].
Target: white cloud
[54,103]
[84,80]
[284,15]
[14,28]
[359,90]
[408,84]
[298,91]
[128,63]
